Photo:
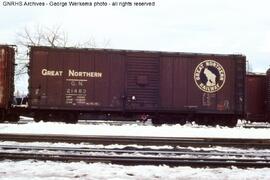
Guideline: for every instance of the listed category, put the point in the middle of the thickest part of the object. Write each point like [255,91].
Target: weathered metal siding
[2,77]
[6,75]
[82,79]
[179,91]
[255,97]
[173,74]
[240,87]
[136,81]
[142,82]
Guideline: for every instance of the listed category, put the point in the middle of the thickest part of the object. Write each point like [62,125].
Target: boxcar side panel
[117,80]
[38,82]
[7,58]
[173,73]
[255,97]
[84,86]
[142,82]
[76,79]
[102,86]
[186,83]
[54,85]
[2,77]
[180,82]
[166,90]
[194,94]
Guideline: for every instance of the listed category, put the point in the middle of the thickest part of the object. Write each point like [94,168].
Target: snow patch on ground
[136,130]
[25,170]
[30,169]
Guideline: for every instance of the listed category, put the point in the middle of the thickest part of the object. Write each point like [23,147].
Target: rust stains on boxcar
[6,75]
[2,75]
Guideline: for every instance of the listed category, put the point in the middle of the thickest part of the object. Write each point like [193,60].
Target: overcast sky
[207,26]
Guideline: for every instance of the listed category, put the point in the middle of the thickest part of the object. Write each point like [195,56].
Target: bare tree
[92,43]
[53,36]
[39,36]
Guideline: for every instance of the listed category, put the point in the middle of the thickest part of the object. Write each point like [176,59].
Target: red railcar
[256,97]
[6,79]
[165,86]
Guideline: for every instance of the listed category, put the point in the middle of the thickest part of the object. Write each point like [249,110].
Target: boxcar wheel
[71,118]
[13,117]
[156,121]
[227,121]
[37,118]
[232,122]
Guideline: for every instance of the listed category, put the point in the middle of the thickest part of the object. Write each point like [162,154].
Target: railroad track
[145,151]
[139,140]
[136,157]
[175,157]
[260,125]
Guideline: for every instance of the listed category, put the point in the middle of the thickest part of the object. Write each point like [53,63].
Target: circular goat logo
[209,76]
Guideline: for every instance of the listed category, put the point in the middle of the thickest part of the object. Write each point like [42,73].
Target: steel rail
[182,157]
[139,140]
[175,152]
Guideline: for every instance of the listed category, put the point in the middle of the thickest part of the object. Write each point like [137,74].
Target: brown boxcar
[256,97]
[6,79]
[158,84]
